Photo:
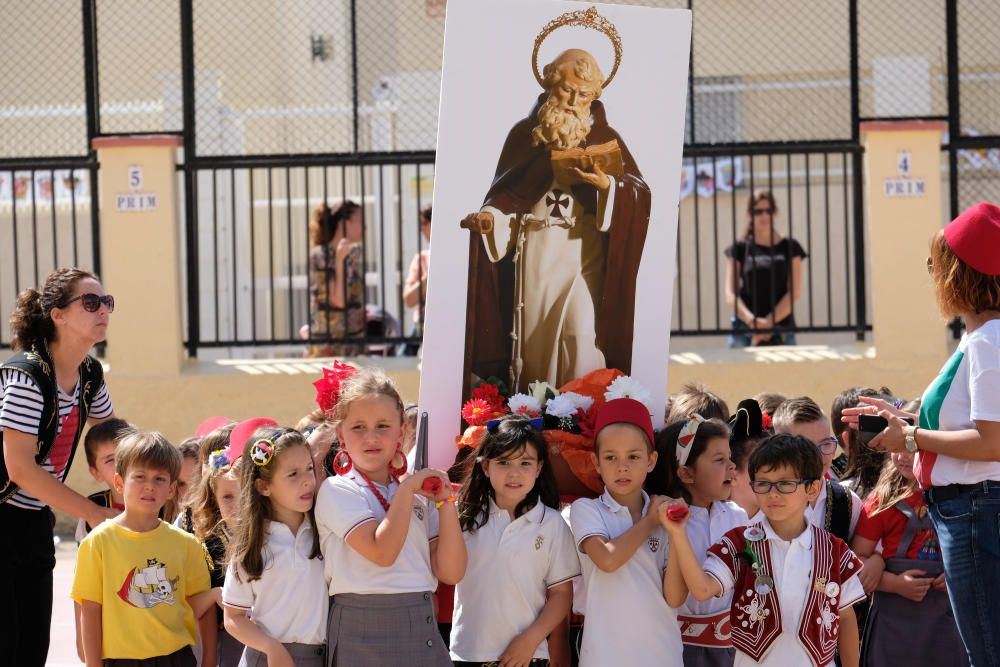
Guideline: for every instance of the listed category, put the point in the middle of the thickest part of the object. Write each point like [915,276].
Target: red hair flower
[476,412]
[328,387]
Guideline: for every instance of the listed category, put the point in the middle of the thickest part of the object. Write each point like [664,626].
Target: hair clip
[686,437]
[493,424]
[217,460]
[262,452]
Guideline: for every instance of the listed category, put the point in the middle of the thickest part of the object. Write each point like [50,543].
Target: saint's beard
[560,129]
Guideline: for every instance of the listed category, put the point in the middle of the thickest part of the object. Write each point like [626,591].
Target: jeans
[26,563]
[741,336]
[968,531]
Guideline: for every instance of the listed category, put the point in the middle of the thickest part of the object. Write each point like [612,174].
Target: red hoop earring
[398,471]
[342,463]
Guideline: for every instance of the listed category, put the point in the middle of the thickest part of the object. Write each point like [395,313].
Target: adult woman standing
[49,389]
[763,278]
[338,287]
[957,438]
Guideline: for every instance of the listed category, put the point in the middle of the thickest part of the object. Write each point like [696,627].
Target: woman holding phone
[956,440]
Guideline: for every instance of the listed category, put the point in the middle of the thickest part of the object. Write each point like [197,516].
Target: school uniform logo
[418,512]
[539,541]
[654,544]
[146,587]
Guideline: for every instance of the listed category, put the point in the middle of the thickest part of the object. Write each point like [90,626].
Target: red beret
[974,236]
[623,411]
[211,424]
[242,432]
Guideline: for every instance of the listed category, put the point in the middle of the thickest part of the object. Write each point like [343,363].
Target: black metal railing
[817,190]
[48,219]
[250,236]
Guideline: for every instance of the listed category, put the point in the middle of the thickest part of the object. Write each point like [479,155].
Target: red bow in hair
[328,386]
[765,421]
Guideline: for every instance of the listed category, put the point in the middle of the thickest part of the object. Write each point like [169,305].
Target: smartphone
[871,425]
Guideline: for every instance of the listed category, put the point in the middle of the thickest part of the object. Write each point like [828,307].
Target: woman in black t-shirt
[763,277]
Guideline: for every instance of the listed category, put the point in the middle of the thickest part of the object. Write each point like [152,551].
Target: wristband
[439,503]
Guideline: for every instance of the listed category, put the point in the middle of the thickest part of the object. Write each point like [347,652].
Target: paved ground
[62,649]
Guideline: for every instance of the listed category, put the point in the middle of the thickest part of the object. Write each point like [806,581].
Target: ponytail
[326,221]
[31,321]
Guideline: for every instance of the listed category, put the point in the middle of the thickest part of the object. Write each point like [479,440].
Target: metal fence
[285,105]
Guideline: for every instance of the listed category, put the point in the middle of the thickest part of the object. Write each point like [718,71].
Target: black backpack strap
[838,513]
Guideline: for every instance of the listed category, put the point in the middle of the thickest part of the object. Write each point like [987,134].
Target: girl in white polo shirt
[522,558]
[274,599]
[386,543]
[697,466]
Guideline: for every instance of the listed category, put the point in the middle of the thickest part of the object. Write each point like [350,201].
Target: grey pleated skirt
[384,630]
[303,655]
[230,650]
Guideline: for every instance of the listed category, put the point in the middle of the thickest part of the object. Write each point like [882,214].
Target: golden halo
[585,18]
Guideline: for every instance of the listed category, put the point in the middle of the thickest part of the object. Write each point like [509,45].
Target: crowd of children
[721,539]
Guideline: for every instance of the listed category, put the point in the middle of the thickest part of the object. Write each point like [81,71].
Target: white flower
[525,405]
[626,387]
[540,389]
[579,400]
[560,406]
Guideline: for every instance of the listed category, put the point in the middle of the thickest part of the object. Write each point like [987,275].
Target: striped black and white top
[21,406]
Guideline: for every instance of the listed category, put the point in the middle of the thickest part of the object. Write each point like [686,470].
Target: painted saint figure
[555,247]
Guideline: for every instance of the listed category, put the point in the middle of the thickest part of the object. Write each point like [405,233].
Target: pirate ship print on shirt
[146,587]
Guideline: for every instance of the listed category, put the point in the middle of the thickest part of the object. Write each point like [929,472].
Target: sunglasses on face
[828,445]
[763,211]
[92,302]
[762,487]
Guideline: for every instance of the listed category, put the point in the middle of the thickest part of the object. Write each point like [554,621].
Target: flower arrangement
[567,409]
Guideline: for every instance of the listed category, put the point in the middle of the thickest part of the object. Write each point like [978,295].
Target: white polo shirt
[511,565]
[705,528]
[816,513]
[289,601]
[792,564]
[345,502]
[628,620]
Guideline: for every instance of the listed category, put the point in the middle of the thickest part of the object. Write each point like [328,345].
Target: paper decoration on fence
[65,187]
[724,175]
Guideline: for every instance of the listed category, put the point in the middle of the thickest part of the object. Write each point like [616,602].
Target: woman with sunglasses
[763,278]
[956,441]
[49,389]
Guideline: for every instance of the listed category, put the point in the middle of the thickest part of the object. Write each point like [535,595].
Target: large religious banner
[555,203]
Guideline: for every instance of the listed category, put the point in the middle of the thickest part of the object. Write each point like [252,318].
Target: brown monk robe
[566,252]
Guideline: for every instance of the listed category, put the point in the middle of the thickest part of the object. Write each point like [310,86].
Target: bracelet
[439,503]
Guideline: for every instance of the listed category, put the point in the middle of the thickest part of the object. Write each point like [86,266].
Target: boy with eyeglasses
[794,583]
[837,508]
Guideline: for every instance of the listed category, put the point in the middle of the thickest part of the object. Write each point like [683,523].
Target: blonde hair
[801,410]
[891,488]
[363,384]
[206,517]
[960,288]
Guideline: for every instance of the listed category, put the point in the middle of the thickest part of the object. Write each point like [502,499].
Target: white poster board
[487,87]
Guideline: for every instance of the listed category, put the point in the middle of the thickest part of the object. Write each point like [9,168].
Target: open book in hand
[607,155]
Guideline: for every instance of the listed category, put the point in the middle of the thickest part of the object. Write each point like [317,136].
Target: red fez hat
[211,424]
[974,236]
[623,411]
[242,432]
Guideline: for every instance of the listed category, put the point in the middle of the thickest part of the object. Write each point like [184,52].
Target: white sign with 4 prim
[135,199]
[904,185]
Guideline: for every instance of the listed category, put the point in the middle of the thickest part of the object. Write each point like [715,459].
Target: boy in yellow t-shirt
[140,581]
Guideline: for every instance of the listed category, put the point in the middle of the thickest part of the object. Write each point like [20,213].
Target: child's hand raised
[674,515]
[429,483]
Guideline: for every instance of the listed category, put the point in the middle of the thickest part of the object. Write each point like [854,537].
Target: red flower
[476,412]
[765,421]
[328,387]
[489,393]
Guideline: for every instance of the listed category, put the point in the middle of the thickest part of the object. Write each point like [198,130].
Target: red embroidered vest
[756,619]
